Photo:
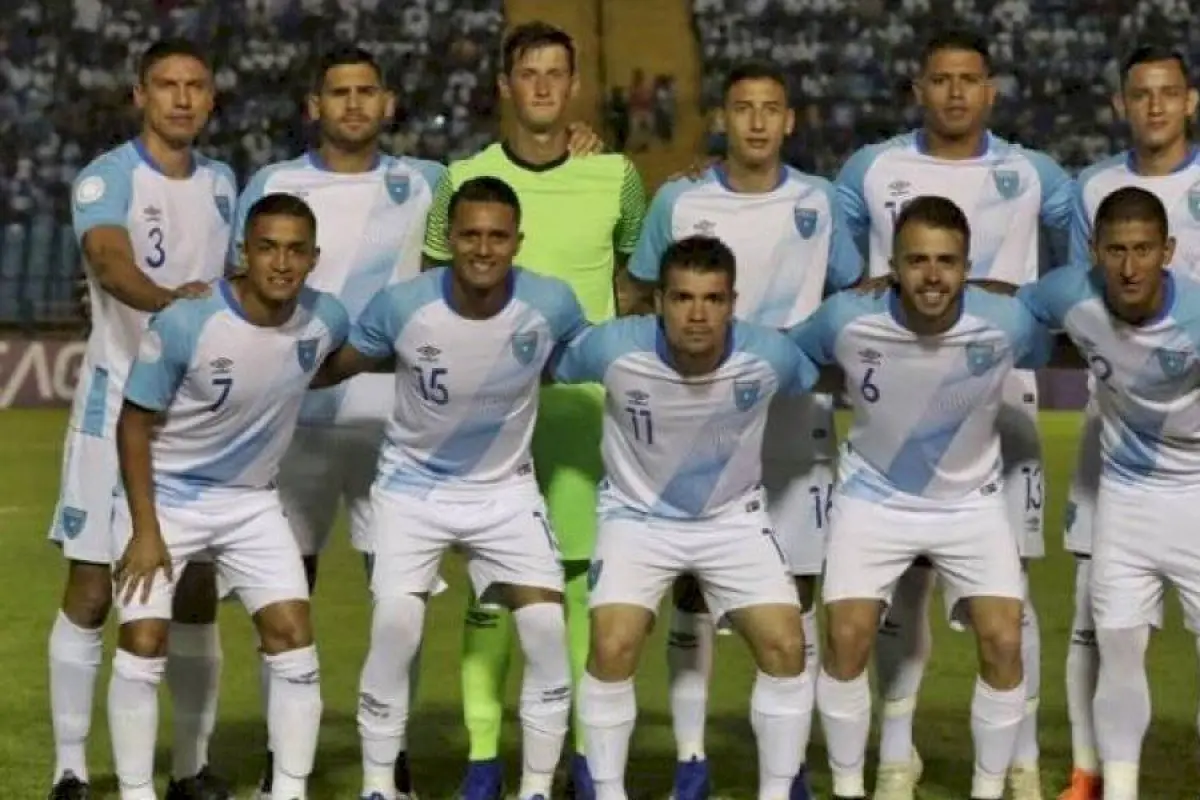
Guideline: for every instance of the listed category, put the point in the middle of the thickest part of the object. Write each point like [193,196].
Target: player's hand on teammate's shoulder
[695,170]
[145,555]
[873,286]
[192,290]
[583,141]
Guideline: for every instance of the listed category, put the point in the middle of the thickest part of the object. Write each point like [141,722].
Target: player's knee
[847,644]
[999,637]
[195,601]
[780,654]
[88,596]
[144,638]
[614,650]
[284,626]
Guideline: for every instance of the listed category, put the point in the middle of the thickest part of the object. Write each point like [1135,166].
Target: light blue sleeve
[431,172]
[586,358]
[795,371]
[102,193]
[1081,227]
[656,234]
[165,353]
[852,196]
[254,190]
[1058,204]
[554,300]
[378,327]
[1050,299]
[333,315]
[846,264]
[817,336]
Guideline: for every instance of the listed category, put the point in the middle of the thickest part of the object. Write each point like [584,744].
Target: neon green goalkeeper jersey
[577,214]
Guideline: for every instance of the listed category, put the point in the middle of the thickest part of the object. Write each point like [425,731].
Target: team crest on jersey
[1007,182]
[806,221]
[306,353]
[980,358]
[72,521]
[745,394]
[224,208]
[524,347]
[1173,363]
[399,186]
[1193,200]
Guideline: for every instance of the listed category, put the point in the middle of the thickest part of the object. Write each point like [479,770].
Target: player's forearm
[634,297]
[346,362]
[110,261]
[134,431]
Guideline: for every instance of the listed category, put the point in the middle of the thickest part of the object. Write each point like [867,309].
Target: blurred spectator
[641,111]
[664,108]
[616,113]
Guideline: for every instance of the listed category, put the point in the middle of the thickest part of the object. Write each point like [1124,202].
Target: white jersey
[1007,192]
[683,447]
[1179,192]
[230,390]
[790,244]
[466,389]
[370,228]
[179,229]
[1146,377]
[934,433]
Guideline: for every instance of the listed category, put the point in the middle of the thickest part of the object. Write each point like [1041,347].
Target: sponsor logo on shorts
[594,570]
[72,520]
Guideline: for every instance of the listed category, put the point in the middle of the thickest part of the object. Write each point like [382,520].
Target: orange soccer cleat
[1084,786]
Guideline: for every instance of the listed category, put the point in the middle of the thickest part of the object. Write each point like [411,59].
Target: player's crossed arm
[100,211]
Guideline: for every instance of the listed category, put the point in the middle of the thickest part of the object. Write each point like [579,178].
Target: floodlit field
[30,583]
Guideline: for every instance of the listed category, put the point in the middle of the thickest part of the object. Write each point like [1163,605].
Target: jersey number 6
[869,391]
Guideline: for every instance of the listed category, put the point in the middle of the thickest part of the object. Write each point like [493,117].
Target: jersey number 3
[157,255]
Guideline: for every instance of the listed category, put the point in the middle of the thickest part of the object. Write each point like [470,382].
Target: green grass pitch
[30,584]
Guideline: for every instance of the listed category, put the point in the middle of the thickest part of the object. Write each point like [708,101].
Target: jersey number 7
[224,384]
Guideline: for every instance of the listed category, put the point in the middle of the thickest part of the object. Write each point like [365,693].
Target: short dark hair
[1131,204]
[280,204]
[700,254]
[534,36]
[934,212]
[957,39]
[485,189]
[755,70]
[1148,53]
[344,56]
[166,48]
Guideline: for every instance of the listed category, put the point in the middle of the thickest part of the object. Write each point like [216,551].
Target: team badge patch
[1193,200]
[1007,182]
[524,347]
[980,358]
[745,394]
[399,186]
[72,521]
[89,190]
[594,570]
[306,353]
[224,208]
[806,221]
[1173,363]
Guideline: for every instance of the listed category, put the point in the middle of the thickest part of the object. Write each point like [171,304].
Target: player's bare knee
[616,643]
[88,595]
[997,627]
[687,596]
[195,601]
[284,626]
[144,638]
[849,634]
[780,652]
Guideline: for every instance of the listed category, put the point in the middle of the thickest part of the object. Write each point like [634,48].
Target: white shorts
[91,473]
[1144,541]
[244,533]
[733,556]
[967,540]
[1080,514]
[323,467]
[1021,454]
[504,532]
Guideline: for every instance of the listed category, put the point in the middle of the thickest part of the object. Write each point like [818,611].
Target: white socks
[902,649]
[608,712]
[996,716]
[383,700]
[1027,751]
[545,693]
[194,678]
[845,709]
[781,716]
[294,720]
[689,667]
[1083,666]
[75,656]
[133,721]
[1122,708]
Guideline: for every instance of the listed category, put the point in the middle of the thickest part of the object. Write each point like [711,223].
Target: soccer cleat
[484,781]
[579,779]
[692,781]
[800,789]
[70,787]
[204,785]
[402,776]
[895,782]
[264,785]
[1025,782]
[535,797]
[372,796]
[1084,786]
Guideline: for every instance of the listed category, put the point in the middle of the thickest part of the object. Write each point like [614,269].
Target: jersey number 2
[157,256]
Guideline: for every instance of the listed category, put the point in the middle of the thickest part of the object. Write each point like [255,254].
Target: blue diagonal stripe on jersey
[491,407]
[687,493]
[916,462]
[223,469]
[1135,454]
[787,277]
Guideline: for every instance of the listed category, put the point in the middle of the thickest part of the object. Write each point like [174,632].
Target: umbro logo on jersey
[899,188]
[870,357]
[428,352]
[705,227]
[221,366]
[637,397]
[152,214]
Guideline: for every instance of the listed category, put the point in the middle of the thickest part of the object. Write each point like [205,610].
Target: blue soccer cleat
[692,781]
[580,785]
[484,781]
[800,790]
